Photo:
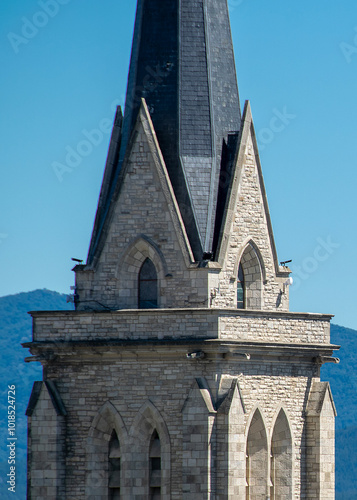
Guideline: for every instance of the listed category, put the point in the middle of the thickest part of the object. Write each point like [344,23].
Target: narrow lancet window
[240,288]
[114,467]
[257,465]
[155,467]
[148,293]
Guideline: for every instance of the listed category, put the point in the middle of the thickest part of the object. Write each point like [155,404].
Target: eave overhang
[213,350]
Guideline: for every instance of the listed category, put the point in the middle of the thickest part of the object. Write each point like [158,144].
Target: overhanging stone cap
[317,397]
[226,344]
[208,311]
[53,393]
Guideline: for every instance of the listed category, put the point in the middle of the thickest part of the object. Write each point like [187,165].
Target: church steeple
[182,64]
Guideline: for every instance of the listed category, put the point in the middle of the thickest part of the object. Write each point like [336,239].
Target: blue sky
[64,71]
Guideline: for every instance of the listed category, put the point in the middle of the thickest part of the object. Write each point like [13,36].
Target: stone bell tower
[181,375]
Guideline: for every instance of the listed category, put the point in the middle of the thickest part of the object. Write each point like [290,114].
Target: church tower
[181,374]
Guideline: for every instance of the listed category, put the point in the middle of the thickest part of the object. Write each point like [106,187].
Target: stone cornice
[209,350]
[208,311]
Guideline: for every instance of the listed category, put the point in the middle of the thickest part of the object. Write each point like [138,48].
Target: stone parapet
[161,324]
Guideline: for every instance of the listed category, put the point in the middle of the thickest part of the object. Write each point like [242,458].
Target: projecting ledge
[193,350]
[163,324]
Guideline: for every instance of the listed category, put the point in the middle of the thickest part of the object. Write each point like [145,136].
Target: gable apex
[144,124]
[246,134]
[53,394]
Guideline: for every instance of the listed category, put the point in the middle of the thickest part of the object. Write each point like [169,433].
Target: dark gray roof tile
[193,100]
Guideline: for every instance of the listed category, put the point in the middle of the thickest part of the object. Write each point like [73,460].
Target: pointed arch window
[155,467]
[257,460]
[240,288]
[114,467]
[148,286]
[281,464]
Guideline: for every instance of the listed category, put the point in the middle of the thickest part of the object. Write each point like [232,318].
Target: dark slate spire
[182,63]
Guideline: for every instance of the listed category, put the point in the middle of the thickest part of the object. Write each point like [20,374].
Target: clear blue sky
[65,74]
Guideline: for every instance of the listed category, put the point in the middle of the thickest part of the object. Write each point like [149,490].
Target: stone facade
[206,411]
[214,392]
[46,442]
[231,417]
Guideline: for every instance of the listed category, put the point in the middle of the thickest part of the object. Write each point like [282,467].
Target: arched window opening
[257,460]
[155,467]
[148,295]
[240,288]
[281,461]
[250,279]
[114,467]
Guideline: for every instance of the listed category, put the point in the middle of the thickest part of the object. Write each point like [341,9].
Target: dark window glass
[240,288]
[148,286]
[155,493]
[114,467]
[155,467]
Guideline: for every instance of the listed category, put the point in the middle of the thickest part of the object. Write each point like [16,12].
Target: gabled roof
[225,401]
[228,197]
[182,63]
[201,395]
[144,123]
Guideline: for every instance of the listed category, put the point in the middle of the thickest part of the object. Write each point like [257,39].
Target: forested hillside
[343,380]
[15,328]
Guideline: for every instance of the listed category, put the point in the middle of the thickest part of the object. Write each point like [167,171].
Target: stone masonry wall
[145,207]
[179,324]
[86,386]
[46,460]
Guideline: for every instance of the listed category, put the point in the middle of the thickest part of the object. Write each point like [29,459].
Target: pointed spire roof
[182,64]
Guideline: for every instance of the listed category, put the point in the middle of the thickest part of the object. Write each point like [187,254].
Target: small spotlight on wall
[196,355]
[245,355]
[287,283]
